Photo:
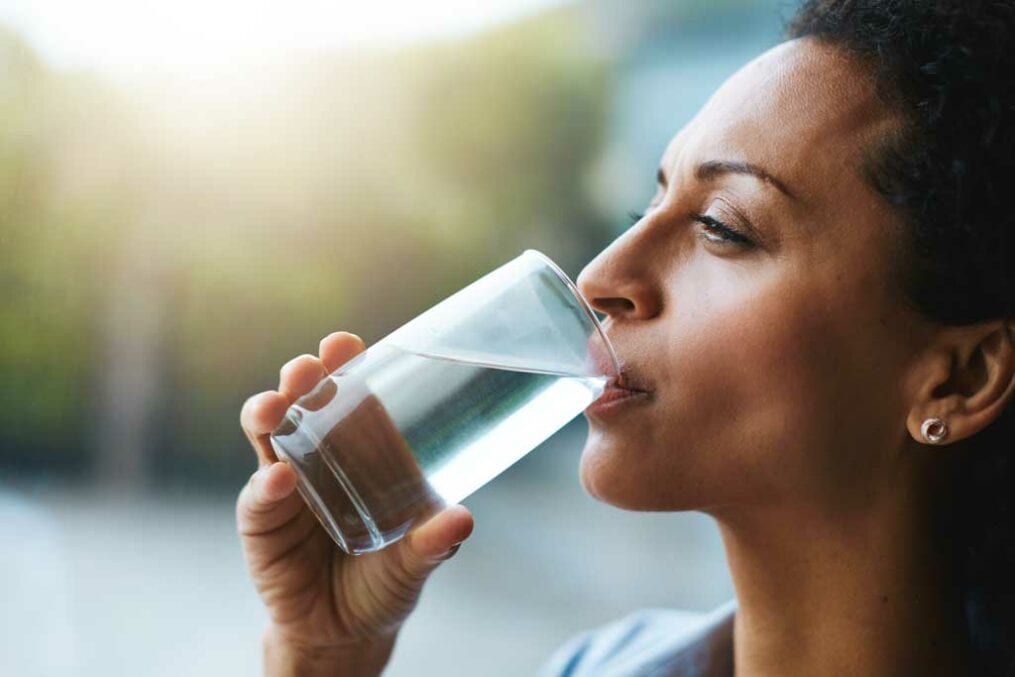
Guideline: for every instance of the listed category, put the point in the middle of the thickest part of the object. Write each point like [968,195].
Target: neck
[828,589]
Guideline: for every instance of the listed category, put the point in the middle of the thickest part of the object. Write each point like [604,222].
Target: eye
[717,232]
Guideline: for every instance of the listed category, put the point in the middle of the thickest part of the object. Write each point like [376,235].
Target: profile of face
[758,300]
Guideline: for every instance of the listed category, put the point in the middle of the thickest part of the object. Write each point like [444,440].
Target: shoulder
[651,642]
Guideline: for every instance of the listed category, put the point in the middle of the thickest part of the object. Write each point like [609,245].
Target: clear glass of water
[445,403]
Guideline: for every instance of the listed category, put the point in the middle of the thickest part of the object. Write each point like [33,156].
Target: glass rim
[582,301]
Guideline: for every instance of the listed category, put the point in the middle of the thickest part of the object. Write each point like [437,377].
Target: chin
[606,477]
[623,479]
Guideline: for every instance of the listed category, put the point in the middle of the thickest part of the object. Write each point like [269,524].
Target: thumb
[434,541]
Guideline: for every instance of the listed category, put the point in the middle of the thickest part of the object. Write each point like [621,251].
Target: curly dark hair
[948,68]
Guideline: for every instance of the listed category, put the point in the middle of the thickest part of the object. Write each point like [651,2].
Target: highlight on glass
[445,403]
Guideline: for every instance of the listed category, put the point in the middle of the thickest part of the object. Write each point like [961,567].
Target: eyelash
[714,226]
[726,233]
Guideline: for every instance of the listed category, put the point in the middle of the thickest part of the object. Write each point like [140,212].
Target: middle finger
[299,375]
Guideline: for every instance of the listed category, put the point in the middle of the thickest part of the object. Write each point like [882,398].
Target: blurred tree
[169,244]
[57,166]
[385,182]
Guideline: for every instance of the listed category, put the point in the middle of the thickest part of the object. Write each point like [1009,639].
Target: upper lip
[627,381]
[626,378]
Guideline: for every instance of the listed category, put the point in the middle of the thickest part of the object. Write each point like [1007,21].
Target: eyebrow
[713,168]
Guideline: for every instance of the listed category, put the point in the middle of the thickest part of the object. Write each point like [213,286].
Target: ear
[967,379]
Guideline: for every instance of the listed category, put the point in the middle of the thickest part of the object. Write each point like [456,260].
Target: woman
[815,319]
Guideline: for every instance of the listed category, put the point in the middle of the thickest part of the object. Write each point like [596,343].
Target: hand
[327,608]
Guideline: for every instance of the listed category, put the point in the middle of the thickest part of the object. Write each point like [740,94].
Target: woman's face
[757,300]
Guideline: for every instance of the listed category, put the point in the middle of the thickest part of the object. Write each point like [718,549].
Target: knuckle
[414,568]
[243,500]
[249,507]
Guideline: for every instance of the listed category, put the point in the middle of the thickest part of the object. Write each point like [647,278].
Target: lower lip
[614,400]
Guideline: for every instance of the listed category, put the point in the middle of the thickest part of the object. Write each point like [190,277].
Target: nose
[618,282]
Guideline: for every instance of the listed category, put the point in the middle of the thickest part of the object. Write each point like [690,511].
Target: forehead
[803,110]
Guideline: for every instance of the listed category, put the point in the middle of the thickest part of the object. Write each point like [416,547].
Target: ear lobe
[970,380]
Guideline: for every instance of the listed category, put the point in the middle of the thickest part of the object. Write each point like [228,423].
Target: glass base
[349,525]
[361,515]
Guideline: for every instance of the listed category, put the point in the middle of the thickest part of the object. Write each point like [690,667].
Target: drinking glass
[445,403]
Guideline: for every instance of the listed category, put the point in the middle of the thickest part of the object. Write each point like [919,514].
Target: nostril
[614,305]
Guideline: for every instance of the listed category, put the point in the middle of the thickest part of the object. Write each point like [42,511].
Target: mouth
[624,388]
[621,392]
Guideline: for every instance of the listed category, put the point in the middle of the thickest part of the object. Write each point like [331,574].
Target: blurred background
[191,193]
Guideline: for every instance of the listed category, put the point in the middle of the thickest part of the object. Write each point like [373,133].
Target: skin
[785,378]
[789,377]
[331,613]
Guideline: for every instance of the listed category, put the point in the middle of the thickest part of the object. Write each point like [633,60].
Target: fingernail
[451,551]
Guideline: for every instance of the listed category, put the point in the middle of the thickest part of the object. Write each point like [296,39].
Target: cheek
[749,375]
[748,344]
[742,373]
[787,391]
[775,379]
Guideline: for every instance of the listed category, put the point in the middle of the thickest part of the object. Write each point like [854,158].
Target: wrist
[286,658]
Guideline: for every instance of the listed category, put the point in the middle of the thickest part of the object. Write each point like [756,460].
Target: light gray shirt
[651,643]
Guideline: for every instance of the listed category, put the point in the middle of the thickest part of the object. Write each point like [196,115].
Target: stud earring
[934,430]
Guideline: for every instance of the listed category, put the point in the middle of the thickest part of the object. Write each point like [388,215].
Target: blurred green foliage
[167,245]
[53,257]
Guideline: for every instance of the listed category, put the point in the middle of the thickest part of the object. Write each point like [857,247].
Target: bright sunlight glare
[130,37]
